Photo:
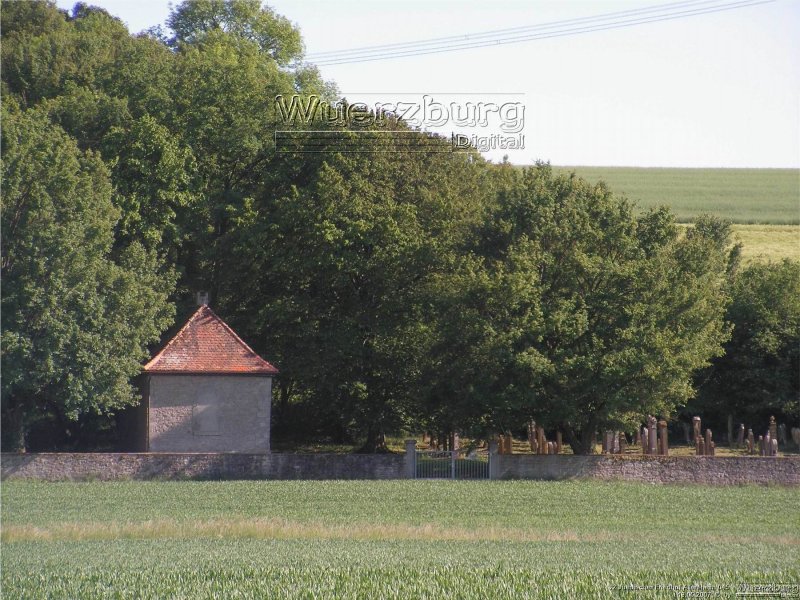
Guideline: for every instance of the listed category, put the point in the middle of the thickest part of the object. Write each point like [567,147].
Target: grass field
[768,242]
[394,539]
[768,196]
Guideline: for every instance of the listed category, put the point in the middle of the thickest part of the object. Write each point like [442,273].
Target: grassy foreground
[742,195]
[395,539]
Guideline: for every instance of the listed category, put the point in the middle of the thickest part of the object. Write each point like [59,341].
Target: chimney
[202,298]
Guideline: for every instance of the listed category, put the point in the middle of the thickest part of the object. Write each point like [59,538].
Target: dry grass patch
[281,529]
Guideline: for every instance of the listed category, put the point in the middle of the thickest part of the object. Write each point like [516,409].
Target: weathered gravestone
[773,429]
[652,439]
[532,436]
[663,440]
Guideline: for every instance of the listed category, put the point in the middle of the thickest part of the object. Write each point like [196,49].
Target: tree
[759,374]
[329,275]
[245,19]
[607,315]
[75,323]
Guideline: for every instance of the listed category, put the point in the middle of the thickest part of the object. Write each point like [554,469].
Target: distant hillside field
[763,243]
[769,196]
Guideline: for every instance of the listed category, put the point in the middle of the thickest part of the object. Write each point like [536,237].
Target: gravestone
[773,429]
[708,441]
[698,432]
[532,436]
[796,436]
[663,440]
[751,442]
[645,441]
[652,438]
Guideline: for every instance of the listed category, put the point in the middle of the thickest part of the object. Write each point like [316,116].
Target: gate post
[411,459]
[494,462]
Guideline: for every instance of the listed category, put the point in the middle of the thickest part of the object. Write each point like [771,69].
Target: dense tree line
[401,289]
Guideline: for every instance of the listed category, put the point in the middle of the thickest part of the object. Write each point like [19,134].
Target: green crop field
[395,539]
[770,196]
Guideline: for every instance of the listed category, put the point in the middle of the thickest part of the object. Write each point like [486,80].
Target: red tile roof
[207,345]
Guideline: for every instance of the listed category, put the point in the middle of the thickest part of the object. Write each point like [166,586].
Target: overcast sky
[716,90]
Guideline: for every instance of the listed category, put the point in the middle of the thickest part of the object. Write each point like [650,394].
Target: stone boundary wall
[710,470]
[110,466]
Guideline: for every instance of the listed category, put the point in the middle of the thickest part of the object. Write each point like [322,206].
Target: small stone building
[206,391]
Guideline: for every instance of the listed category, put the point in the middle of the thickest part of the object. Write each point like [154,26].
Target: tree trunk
[283,395]
[13,430]
[375,442]
[581,440]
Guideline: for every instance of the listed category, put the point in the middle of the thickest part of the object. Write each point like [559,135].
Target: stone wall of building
[208,413]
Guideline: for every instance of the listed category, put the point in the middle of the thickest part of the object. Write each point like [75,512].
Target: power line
[475,36]
[468,42]
[464,42]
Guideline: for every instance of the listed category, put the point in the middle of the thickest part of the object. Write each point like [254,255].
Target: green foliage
[587,316]
[340,263]
[153,174]
[759,375]
[76,324]
[274,35]
[398,286]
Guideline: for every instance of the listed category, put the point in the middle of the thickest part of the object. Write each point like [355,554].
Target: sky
[714,90]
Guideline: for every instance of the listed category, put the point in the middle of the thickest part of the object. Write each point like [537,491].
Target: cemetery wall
[110,466]
[714,470]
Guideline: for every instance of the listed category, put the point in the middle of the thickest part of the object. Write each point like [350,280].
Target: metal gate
[452,464]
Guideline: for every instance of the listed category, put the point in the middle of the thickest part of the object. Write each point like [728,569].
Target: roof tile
[207,345]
